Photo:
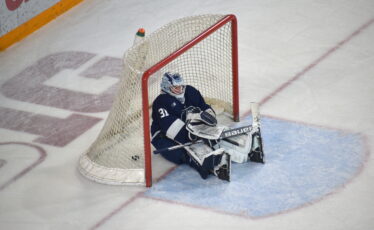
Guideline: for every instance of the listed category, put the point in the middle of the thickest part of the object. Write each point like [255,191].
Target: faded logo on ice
[60,95]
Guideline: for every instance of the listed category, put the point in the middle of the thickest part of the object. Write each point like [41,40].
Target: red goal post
[204,50]
[234,38]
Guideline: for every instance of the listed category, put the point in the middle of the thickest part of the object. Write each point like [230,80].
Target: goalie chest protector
[166,108]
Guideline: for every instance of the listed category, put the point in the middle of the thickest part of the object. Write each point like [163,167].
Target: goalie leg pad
[216,161]
[203,158]
[245,147]
[200,152]
[239,147]
[223,169]
[257,151]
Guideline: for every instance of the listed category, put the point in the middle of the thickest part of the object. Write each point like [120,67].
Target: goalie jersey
[168,114]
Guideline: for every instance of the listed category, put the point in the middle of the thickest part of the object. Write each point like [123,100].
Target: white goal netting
[118,154]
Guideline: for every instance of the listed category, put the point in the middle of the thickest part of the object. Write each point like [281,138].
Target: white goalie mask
[173,84]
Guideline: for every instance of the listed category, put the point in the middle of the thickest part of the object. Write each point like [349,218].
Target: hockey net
[203,49]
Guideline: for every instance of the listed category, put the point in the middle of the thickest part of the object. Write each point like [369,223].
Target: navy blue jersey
[168,118]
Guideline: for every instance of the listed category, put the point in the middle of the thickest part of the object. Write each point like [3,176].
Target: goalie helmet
[173,84]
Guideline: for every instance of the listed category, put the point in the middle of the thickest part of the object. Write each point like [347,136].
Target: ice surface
[309,62]
[303,164]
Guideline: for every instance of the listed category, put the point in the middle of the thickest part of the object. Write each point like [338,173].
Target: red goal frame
[235,97]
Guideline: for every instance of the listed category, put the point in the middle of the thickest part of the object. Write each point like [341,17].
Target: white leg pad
[238,151]
[201,151]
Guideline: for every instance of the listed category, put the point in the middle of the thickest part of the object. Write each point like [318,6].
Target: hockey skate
[223,169]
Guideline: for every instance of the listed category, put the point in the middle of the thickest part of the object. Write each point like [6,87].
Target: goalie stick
[224,135]
[257,152]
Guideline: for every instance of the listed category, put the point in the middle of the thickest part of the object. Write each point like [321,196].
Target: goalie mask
[173,84]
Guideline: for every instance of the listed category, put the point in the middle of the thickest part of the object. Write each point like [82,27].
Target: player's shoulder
[191,89]
[162,100]
[192,92]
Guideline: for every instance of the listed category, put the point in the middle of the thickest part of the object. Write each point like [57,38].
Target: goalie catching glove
[202,124]
[195,115]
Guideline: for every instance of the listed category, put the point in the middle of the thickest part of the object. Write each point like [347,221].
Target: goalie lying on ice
[180,117]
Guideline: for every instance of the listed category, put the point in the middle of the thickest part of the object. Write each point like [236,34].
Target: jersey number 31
[163,112]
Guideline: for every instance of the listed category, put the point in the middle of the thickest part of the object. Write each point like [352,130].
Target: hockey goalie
[185,130]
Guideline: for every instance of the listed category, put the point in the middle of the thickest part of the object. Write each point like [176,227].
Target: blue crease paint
[303,164]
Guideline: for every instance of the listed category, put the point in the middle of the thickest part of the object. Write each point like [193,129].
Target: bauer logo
[236,132]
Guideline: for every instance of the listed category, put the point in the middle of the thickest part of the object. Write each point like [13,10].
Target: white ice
[322,52]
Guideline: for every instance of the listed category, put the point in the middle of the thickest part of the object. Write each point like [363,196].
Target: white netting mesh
[117,155]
